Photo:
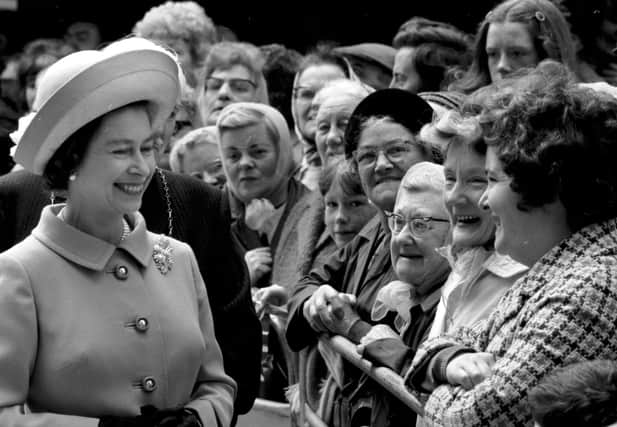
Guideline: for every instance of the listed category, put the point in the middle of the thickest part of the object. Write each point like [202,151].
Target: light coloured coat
[74,345]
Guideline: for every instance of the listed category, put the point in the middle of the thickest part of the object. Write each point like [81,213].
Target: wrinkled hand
[316,304]
[259,263]
[273,295]
[470,369]
[340,314]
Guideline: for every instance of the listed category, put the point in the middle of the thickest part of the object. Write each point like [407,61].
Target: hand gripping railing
[388,379]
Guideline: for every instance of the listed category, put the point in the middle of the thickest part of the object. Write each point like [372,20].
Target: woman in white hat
[103,323]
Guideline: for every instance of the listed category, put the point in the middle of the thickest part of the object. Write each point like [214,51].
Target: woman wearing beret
[102,322]
[381,140]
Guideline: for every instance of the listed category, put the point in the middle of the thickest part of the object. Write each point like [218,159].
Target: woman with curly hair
[184,27]
[518,34]
[552,190]
[427,52]
[233,72]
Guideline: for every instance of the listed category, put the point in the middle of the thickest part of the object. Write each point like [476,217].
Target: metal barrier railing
[388,379]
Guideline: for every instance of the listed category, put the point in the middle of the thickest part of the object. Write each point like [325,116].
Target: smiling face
[117,166]
[332,118]
[309,82]
[509,47]
[224,87]
[415,260]
[382,177]
[250,157]
[345,214]
[525,235]
[465,183]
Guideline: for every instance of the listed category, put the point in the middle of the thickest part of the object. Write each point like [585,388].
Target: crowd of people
[186,218]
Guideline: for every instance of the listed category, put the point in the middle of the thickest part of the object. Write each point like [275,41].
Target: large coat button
[149,384]
[121,272]
[142,324]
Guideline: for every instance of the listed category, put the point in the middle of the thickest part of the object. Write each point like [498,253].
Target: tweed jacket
[90,329]
[199,218]
[563,310]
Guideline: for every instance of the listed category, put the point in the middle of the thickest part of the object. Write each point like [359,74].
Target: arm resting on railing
[387,378]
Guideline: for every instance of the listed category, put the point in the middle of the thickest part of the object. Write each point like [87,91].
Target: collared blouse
[90,329]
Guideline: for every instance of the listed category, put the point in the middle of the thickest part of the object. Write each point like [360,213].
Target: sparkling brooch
[162,255]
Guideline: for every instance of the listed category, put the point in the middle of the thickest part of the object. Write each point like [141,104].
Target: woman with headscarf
[266,202]
[316,69]
[104,323]
[381,140]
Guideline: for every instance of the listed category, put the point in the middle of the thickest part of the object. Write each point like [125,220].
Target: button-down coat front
[90,329]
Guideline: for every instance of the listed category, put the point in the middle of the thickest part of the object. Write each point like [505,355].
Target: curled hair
[423,176]
[342,174]
[184,20]
[351,88]
[69,156]
[191,140]
[225,55]
[452,128]
[440,50]
[582,394]
[556,140]
[547,26]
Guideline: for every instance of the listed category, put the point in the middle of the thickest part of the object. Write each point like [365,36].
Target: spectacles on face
[418,226]
[395,151]
[215,84]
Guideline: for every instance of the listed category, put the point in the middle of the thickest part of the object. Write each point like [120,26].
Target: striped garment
[563,311]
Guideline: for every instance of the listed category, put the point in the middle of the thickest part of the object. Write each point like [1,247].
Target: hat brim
[113,82]
[381,54]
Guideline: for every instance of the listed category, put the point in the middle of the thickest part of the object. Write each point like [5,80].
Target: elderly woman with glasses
[381,139]
[233,72]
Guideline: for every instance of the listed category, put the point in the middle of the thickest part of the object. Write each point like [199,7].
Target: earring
[52,198]
[72,177]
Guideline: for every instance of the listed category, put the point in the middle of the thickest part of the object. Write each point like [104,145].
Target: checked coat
[563,311]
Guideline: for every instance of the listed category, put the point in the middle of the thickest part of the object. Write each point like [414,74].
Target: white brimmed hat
[89,84]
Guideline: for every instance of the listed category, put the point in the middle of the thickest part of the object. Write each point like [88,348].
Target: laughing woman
[552,191]
[480,276]
[102,322]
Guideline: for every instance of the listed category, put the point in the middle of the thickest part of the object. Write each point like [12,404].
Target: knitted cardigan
[563,311]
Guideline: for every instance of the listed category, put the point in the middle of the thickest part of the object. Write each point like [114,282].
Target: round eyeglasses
[418,226]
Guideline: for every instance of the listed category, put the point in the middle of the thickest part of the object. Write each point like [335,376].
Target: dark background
[297,24]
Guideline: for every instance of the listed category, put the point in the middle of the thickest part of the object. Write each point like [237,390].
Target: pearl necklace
[126,228]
